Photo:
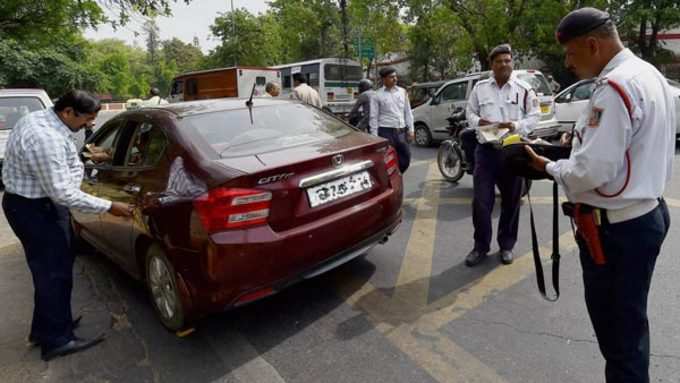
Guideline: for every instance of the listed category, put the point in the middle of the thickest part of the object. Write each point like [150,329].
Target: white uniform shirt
[515,102]
[307,94]
[155,100]
[390,108]
[41,160]
[605,132]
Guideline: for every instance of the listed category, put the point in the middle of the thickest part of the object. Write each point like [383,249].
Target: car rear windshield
[274,127]
[13,108]
[537,81]
[336,72]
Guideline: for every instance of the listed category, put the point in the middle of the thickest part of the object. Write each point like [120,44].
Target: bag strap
[540,279]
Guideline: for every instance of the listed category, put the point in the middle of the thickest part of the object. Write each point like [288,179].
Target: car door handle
[132,188]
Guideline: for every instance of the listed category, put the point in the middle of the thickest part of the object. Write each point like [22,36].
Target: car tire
[423,137]
[161,281]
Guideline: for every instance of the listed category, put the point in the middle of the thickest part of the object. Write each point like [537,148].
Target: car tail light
[330,96]
[230,208]
[391,161]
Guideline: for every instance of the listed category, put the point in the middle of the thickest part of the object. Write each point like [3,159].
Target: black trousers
[616,293]
[44,231]
[489,172]
[397,138]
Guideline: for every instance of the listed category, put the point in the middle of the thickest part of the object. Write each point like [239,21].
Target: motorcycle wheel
[449,161]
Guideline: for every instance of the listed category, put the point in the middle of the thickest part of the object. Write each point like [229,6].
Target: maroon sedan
[236,203]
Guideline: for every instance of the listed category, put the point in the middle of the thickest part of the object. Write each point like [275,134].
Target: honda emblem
[337,160]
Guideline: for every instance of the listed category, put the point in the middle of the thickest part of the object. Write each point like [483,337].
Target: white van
[430,118]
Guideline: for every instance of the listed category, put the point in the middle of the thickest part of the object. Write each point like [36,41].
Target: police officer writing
[620,162]
[511,103]
[391,116]
[42,173]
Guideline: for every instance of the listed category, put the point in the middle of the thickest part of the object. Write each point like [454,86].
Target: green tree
[187,57]
[378,21]
[245,40]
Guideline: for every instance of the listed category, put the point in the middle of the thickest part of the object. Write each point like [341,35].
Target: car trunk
[311,182]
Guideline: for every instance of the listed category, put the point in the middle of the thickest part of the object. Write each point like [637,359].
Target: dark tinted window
[537,81]
[274,127]
[13,108]
[260,80]
[454,92]
[177,87]
[583,92]
[337,72]
[286,81]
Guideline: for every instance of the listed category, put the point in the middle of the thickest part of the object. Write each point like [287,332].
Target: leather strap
[540,279]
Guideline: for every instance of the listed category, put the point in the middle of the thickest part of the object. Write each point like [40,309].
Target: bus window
[260,80]
[338,72]
[313,78]
[286,81]
[177,87]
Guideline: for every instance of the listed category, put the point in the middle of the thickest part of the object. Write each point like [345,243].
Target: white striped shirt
[41,160]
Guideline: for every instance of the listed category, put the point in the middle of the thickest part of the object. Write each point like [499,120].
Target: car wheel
[422,135]
[161,281]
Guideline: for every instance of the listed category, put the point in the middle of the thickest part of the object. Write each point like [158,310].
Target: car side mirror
[567,97]
[435,101]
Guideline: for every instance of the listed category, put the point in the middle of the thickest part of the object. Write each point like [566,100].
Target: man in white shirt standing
[155,98]
[511,103]
[304,92]
[391,116]
[42,173]
[620,162]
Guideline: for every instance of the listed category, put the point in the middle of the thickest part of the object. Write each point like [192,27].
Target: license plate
[545,109]
[340,188]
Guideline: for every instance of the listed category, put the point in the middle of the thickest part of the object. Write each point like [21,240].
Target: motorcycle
[456,155]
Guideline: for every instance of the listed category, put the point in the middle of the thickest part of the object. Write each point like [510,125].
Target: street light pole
[233,33]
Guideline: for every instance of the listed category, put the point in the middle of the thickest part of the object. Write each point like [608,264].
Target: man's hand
[535,161]
[121,209]
[410,137]
[483,122]
[507,125]
[100,157]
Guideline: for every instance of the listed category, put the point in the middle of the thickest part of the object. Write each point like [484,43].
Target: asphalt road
[408,312]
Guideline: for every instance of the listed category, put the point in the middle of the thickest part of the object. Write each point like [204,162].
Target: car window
[231,134]
[583,91]
[13,108]
[147,146]
[455,92]
[177,87]
[105,142]
[537,81]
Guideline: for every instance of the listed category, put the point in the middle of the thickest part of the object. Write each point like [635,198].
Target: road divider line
[416,267]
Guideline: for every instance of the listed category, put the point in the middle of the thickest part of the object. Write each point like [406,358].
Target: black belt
[398,130]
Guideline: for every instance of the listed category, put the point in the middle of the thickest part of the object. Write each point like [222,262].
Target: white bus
[336,80]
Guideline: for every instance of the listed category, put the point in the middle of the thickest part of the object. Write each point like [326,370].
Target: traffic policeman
[511,103]
[621,160]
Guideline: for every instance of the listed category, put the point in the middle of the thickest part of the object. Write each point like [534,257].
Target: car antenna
[249,103]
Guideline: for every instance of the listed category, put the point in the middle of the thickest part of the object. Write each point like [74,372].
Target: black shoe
[474,258]
[32,341]
[505,256]
[71,347]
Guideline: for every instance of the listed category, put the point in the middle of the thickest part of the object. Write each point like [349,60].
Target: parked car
[421,93]
[232,204]
[14,104]
[571,102]
[430,118]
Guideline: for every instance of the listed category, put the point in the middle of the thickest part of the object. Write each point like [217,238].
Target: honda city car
[234,203]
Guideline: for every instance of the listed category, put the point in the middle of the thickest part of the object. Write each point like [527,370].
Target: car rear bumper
[237,265]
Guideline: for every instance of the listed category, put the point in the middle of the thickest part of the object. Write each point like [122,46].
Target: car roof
[429,84]
[189,108]
[22,92]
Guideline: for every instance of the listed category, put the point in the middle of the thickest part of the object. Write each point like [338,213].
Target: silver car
[430,118]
